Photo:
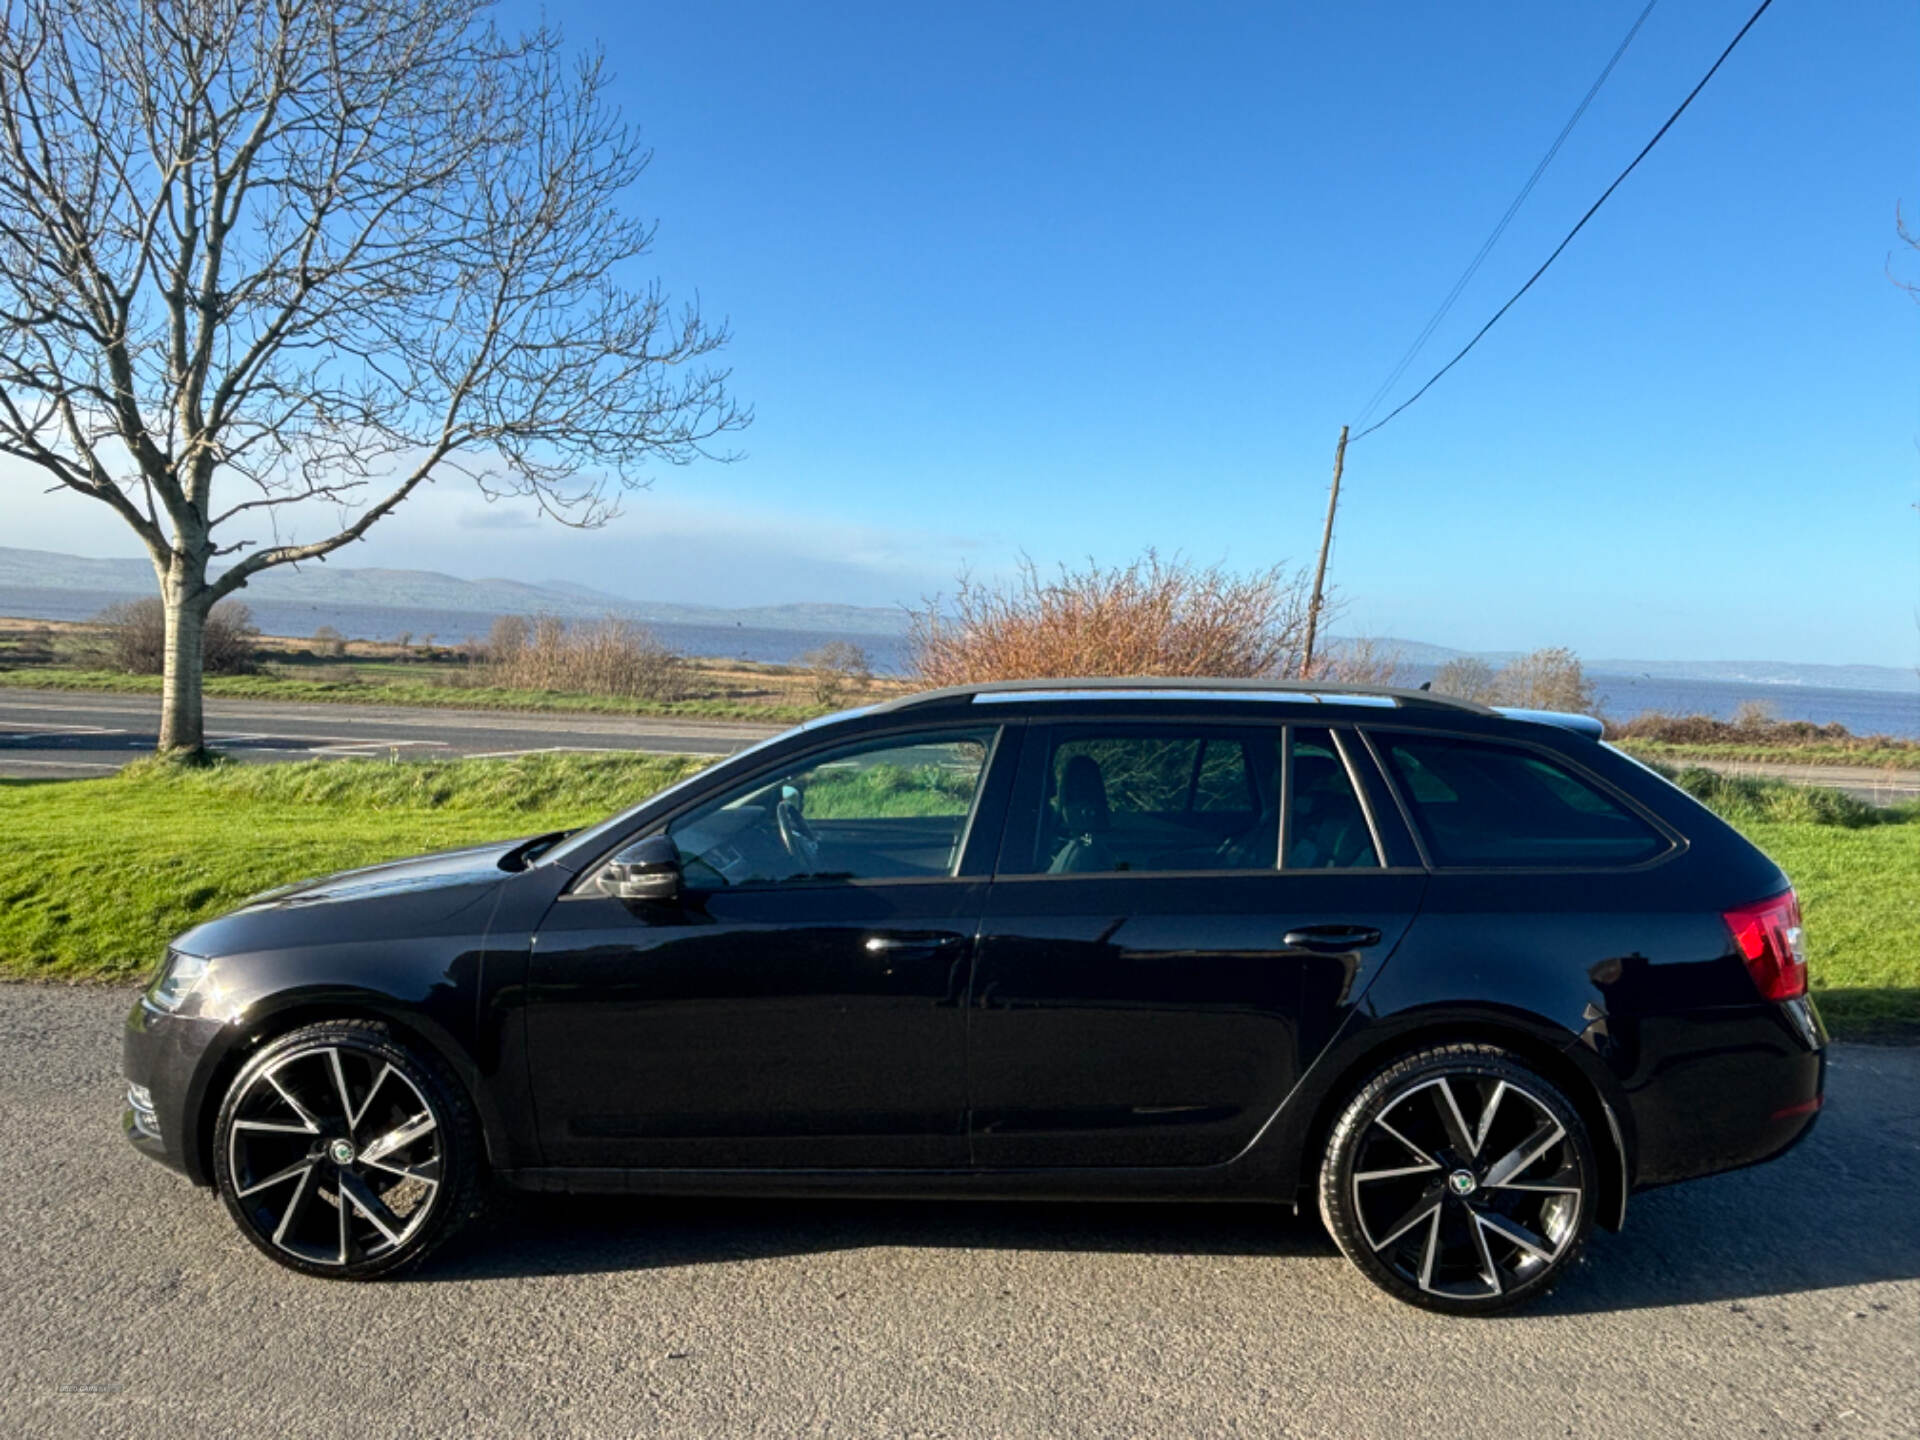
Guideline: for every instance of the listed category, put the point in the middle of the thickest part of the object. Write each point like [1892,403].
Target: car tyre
[1461,1180]
[345,1152]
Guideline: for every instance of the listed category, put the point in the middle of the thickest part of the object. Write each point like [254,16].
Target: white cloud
[687,547]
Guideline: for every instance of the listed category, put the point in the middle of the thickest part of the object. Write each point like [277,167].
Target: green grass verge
[418,694]
[1858,755]
[99,874]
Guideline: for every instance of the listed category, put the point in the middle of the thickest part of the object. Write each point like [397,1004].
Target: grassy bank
[1864,755]
[101,872]
[369,685]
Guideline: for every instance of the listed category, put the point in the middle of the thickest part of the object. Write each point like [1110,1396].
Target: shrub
[329,642]
[1742,730]
[1747,799]
[613,656]
[1466,678]
[506,639]
[1550,679]
[1359,661]
[133,638]
[27,647]
[1152,617]
[837,668]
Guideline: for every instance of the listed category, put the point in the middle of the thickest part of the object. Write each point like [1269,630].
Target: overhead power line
[1473,266]
[1592,210]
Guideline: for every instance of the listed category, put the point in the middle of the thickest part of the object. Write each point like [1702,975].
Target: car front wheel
[344,1153]
[1461,1180]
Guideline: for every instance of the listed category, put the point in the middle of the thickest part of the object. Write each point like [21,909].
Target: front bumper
[167,1060]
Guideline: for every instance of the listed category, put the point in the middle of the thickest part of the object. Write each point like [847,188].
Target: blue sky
[1079,279]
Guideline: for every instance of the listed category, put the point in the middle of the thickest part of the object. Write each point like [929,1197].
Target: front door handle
[917,944]
[1331,939]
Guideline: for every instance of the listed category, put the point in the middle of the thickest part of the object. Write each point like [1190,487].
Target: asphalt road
[1887,786]
[51,733]
[1782,1301]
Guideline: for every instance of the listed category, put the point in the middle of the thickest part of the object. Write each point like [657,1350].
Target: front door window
[892,809]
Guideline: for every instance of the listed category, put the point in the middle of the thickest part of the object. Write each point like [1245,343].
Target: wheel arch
[297,1012]
[1529,1042]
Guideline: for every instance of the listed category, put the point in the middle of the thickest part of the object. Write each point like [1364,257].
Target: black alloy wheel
[1460,1180]
[343,1153]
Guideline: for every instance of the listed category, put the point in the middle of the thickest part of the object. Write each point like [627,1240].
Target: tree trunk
[182,723]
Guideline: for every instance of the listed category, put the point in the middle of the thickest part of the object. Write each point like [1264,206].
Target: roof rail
[1586,725]
[1181,686]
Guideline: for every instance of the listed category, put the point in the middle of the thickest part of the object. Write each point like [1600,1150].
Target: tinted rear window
[1479,804]
[1152,798]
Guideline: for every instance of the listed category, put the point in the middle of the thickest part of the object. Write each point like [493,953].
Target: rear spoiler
[1585,725]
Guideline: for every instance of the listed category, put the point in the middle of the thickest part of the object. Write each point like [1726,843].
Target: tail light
[1771,943]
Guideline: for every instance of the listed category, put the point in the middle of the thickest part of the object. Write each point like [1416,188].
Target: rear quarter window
[1479,804]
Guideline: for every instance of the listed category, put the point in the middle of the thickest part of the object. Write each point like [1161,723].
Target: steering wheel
[797,835]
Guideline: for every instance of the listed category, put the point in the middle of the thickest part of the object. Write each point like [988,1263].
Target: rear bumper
[162,1055]
[1731,1088]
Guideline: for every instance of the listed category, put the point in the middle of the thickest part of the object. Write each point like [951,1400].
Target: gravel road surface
[1782,1301]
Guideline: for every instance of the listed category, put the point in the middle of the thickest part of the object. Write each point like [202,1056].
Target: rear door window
[1326,827]
[1151,798]
[1479,804]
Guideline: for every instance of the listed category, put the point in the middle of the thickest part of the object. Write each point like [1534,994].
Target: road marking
[10,760]
[564,750]
[34,732]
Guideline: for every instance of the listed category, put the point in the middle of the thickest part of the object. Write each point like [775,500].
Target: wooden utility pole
[1326,544]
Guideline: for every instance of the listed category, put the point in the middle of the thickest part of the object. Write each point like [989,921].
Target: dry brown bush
[1549,679]
[1705,730]
[1152,617]
[837,669]
[133,638]
[329,641]
[611,656]
[1466,677]
[1360,661]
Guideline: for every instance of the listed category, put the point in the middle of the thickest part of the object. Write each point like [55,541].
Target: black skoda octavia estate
[1461,980]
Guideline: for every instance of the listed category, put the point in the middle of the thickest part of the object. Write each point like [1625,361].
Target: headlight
[179,978]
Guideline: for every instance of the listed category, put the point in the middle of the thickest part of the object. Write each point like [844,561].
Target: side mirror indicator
[648,869]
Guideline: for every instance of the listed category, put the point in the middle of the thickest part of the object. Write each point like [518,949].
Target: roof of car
[1177,688]
[1161,689]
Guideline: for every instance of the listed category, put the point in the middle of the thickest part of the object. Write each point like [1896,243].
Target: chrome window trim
[1271,697]
[1359,794]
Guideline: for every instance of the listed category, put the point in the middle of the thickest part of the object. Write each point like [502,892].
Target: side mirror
[648,869]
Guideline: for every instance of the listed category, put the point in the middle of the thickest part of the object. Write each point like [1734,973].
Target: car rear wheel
[342,1152]
[1461,1180]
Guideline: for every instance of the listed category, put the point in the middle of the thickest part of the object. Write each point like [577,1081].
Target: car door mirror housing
[648,869]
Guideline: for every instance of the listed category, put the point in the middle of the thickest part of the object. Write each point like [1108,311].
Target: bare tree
[259,255]
[1549,679]
[1467,677]
[836,668]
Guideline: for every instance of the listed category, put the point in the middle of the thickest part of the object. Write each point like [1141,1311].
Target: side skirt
[1204,1183]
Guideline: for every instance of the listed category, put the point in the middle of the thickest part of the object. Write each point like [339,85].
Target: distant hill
[1419,654]
[377,603]
[341,588]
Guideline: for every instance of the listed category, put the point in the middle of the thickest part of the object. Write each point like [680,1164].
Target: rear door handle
[1331,939]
